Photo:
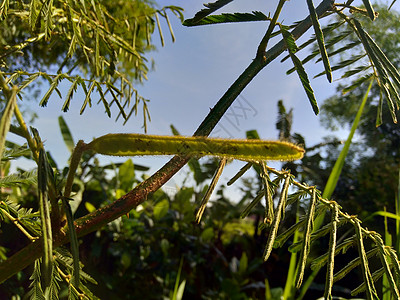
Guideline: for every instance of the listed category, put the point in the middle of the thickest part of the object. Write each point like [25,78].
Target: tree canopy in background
[97,46]
[371,176]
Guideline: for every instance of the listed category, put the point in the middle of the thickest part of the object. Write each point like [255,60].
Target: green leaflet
[247,150]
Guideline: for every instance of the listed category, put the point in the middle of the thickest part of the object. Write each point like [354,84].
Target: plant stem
[104,215]
[20,227]
[31,142]
[264,42]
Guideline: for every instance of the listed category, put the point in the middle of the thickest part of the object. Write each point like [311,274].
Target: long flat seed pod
[371,292]
[247,150]
[277,218]
[210,189]
[306,240]
[331,253]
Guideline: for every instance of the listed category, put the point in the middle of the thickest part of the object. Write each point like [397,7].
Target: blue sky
[192,74]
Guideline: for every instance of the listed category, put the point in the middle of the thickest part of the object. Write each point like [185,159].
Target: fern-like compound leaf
[269,202]
[211,7]
[384,257]
[230,18]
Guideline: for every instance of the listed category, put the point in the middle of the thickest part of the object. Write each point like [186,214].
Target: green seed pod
[248,150]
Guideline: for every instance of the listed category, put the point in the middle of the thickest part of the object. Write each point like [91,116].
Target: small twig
[20,227]
[264,42]
[68,278]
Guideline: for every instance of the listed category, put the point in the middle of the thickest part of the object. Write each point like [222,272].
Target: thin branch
[264,42]
[20,227]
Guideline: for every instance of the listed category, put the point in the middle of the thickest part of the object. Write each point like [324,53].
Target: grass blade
[337,168]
